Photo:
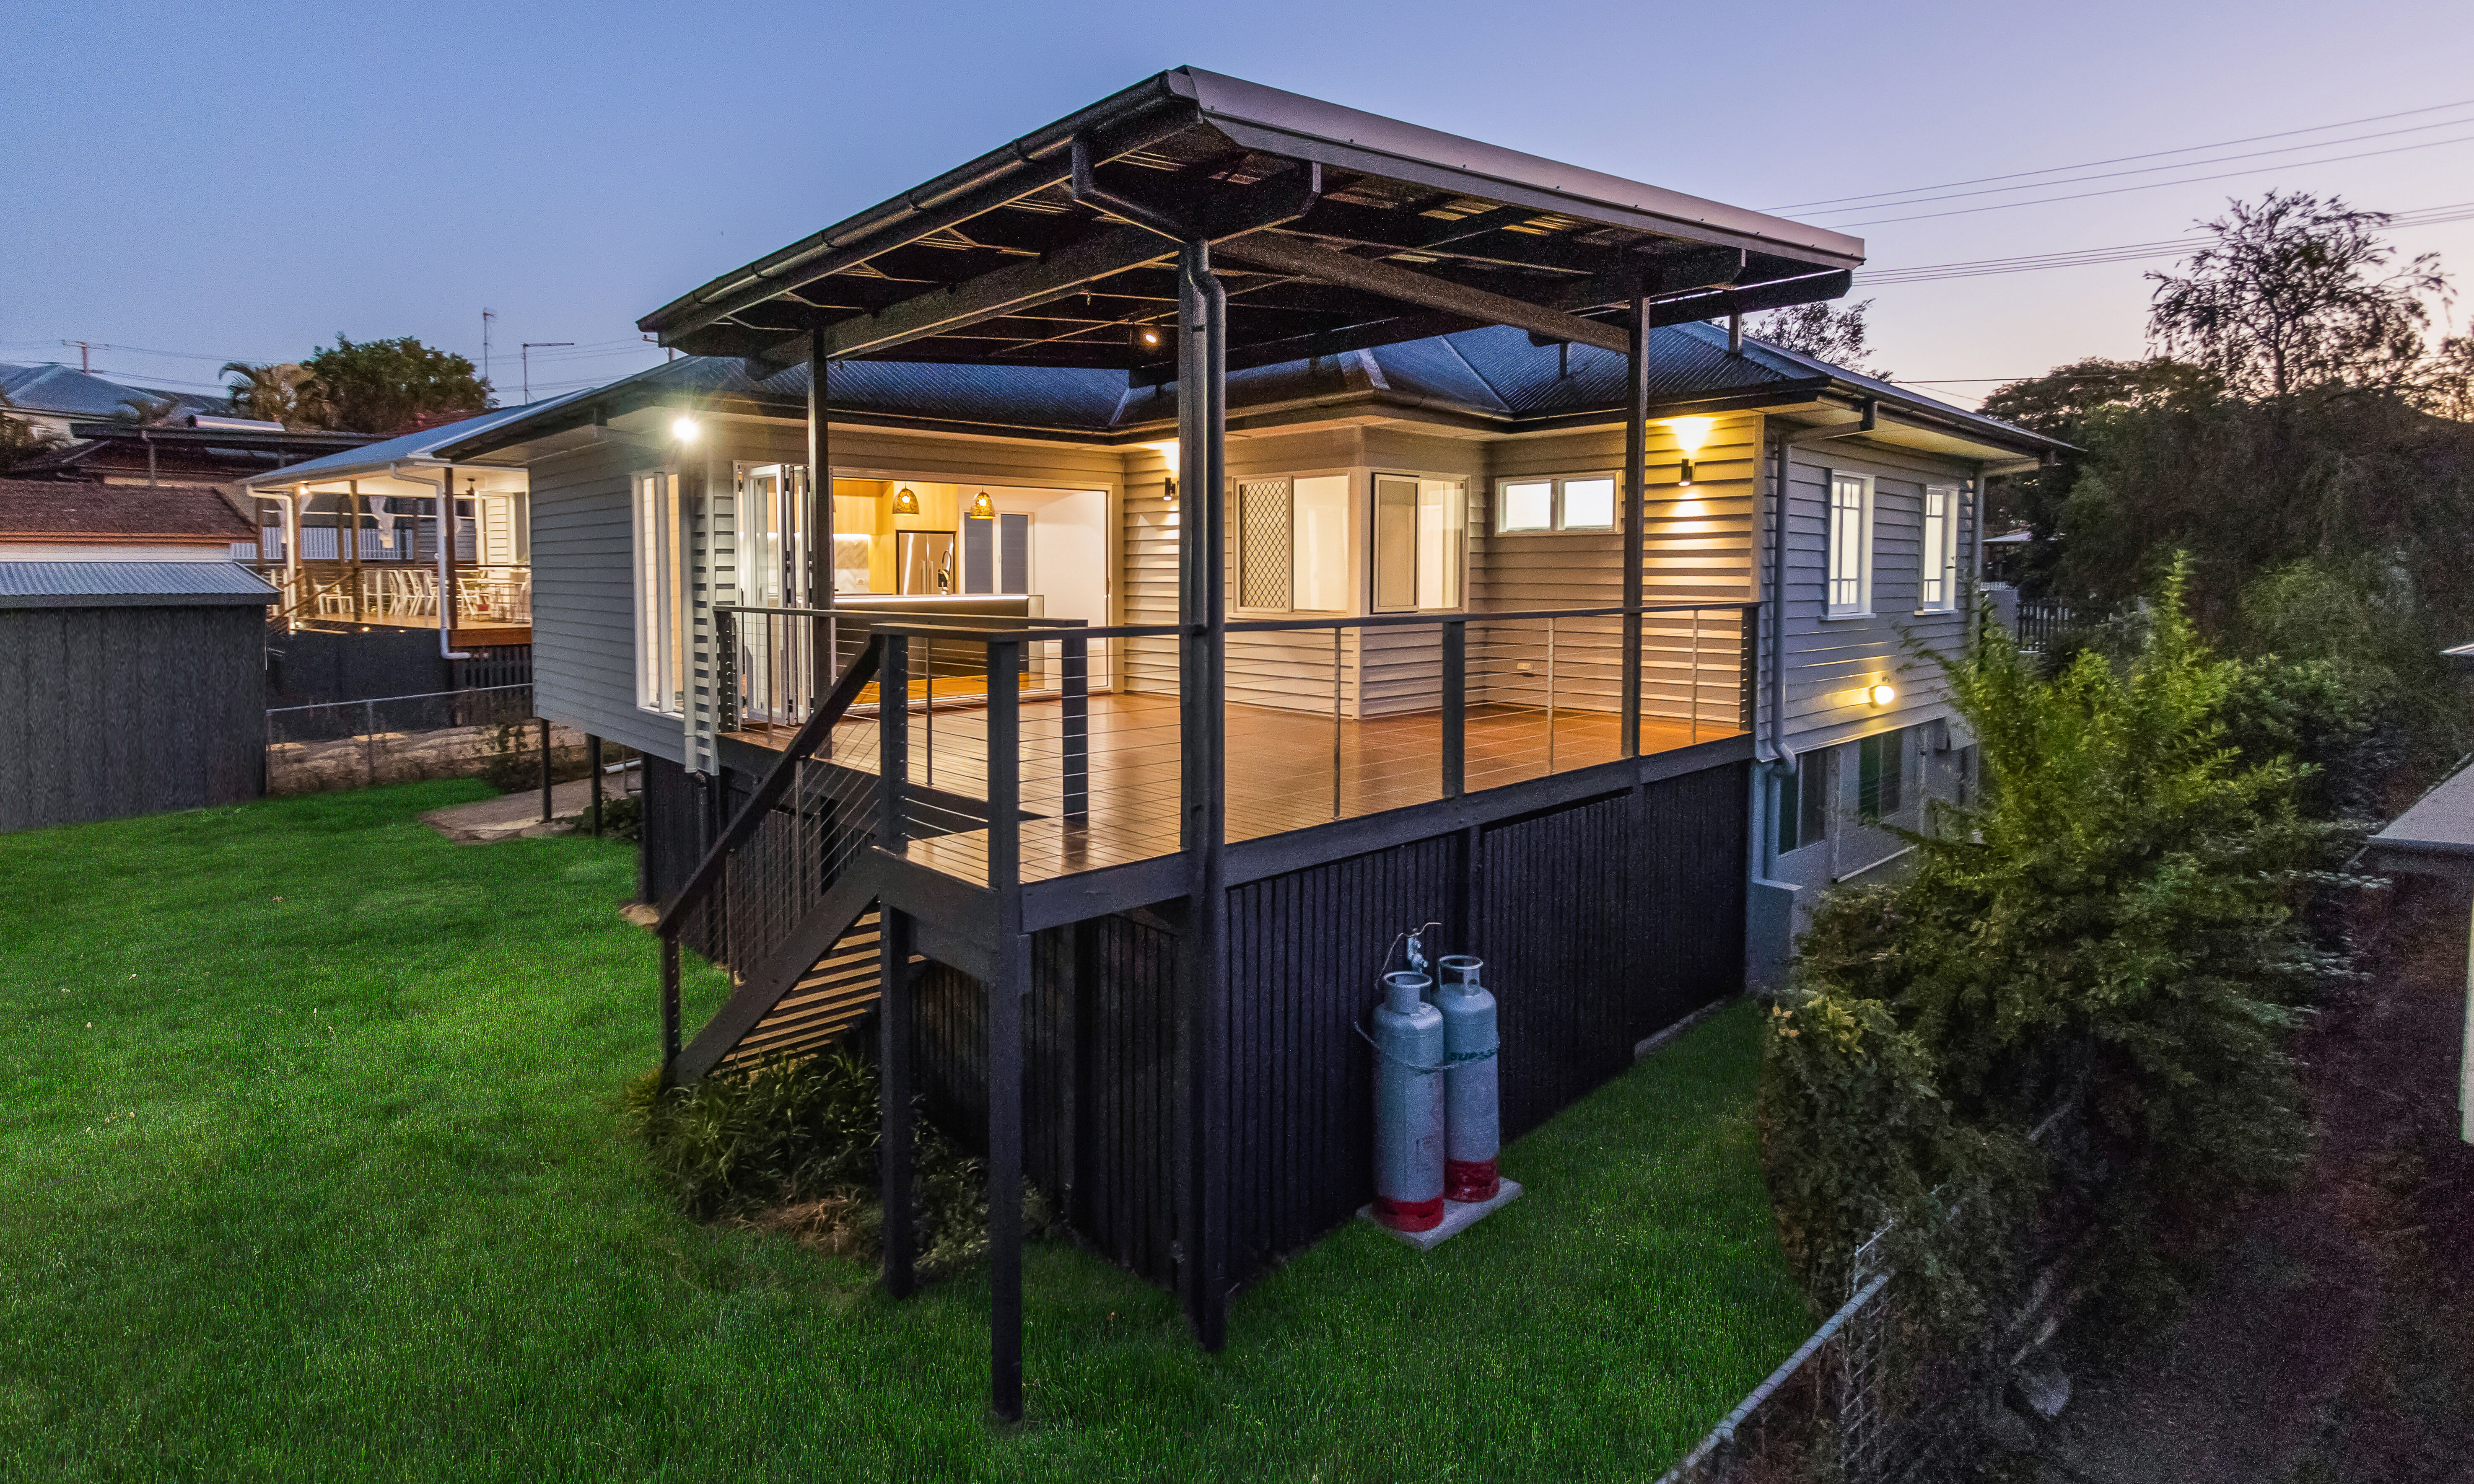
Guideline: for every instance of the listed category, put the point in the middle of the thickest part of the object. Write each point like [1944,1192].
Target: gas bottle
[1472,1113]
[1408,1106]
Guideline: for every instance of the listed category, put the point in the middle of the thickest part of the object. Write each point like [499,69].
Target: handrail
[957,628]
[810,735]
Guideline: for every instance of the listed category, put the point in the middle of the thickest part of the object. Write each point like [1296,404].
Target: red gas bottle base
[1470,1181]
[1410,1215]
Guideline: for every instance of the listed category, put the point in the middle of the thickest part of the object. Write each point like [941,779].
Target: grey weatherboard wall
[131,708]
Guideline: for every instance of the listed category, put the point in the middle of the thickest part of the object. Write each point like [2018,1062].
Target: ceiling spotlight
[1150,337]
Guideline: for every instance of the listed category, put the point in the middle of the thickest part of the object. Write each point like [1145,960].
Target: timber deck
[1286,771]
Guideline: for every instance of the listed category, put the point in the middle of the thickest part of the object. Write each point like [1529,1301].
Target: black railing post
[593,762]
[1076,802]
[1748,674]
[893,736]
[725,668]
[547,805]
[1455,706]
[1007,989]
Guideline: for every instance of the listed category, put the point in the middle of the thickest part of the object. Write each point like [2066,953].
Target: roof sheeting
[41,508]
[76,394]
[130,583]
[404,448]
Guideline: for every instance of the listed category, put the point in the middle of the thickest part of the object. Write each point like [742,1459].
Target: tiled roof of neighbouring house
[47,510]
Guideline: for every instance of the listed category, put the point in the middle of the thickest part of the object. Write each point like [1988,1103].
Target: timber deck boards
[1287,770]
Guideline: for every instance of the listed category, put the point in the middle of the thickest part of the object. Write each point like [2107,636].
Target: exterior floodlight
[1882,695]
[906,503]
[982,507]
[684,430]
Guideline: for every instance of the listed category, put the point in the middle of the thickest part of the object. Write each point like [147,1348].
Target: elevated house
[1254,529]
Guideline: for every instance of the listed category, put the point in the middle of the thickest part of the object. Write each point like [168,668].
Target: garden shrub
[750,1145]
[2103,952]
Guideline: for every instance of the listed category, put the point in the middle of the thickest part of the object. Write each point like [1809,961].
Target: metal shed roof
[1333,229]
[130,583]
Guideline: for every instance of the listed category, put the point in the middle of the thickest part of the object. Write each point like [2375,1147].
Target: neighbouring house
[1254,529]
[354,540]
[129,688]
[51,398]
[48,520]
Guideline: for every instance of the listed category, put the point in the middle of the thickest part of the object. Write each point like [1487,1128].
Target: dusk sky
[244,181]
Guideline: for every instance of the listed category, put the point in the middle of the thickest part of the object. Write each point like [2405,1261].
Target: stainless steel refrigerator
[923,563]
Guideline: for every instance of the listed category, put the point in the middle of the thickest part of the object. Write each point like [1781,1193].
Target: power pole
[530,345]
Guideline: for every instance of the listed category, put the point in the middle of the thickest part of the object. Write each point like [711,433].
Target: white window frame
[1557,521]
[1937,570]
[1847,552]
[656,535]
[1293,556]
[1416,573]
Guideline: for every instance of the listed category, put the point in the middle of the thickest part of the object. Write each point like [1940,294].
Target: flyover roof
[1332,230]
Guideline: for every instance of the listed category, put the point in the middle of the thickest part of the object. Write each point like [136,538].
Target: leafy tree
[381,385]
[1835,335]
[271,392]
[2058,405]
[2076,1005]
[2296,293]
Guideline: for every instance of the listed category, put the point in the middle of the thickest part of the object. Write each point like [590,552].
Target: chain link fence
[485,731]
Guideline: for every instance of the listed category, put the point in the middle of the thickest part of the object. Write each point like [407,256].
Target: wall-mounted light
[904,503]
[1882,695]
[982,508]
[1168,453]
[1690,433]
[683,429]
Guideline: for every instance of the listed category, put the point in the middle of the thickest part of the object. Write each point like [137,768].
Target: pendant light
[982,508]
[906,503]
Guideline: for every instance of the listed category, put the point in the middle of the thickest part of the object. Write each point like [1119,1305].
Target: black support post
[1635,501]
[1202,1104]
[593,762]
[545,746]
[1455,707]
[1007,989]
[894,737]
[894,1013]
[820,501]
[670,1006]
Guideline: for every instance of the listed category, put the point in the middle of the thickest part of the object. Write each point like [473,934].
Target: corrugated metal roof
[374,458]
[119,584]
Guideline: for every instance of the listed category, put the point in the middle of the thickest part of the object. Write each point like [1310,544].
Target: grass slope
[311,1170]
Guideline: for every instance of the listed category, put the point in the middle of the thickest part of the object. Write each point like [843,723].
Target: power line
[2090,164]
[2120,253]
[2119,190]
[2115,175]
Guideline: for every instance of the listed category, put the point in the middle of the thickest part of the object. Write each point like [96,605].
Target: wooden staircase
[786,897]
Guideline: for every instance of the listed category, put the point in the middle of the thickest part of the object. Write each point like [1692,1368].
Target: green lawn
[311,1168]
